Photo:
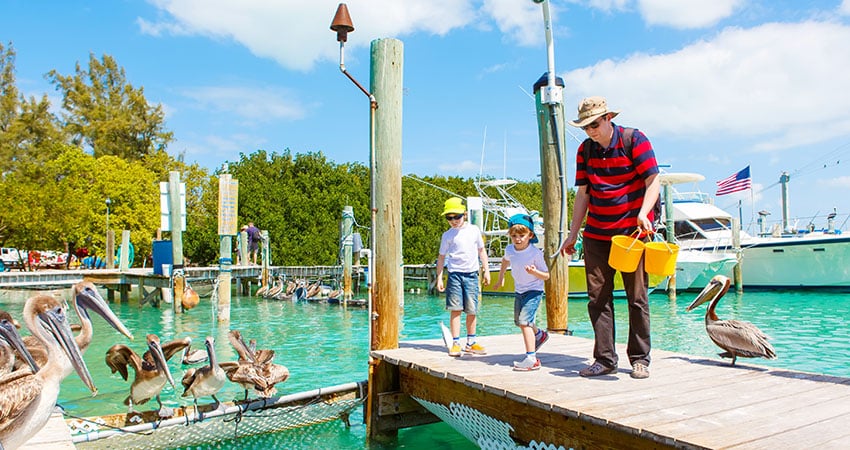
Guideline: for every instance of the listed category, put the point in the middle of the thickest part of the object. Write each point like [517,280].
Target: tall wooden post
[386,82]
[553,172]
[228,198]
[109,260]
[388,291]
[347,243]
[124,260]
[175,208]
[671,234]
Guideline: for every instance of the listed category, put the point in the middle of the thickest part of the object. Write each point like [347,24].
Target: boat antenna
[432,185]
[483,145]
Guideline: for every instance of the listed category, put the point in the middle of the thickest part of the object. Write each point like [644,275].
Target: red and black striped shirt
[615,183]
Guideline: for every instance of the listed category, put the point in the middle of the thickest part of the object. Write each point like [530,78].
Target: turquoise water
[324,345]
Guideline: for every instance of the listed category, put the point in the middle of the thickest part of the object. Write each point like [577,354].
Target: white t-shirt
[461,246]
[524,281]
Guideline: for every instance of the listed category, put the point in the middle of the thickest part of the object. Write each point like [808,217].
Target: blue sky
[716,84]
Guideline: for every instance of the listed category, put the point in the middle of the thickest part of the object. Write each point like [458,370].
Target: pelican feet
[165,412]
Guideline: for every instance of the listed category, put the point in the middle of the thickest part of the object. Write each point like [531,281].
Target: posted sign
[228,200]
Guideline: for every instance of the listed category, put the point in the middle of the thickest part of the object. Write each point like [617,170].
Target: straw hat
[591,109]
[454,205]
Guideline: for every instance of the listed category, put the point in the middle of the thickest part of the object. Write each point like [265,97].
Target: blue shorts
[462,292]
[525,307]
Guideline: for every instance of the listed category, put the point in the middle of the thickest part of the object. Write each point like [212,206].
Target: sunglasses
[455,217]
[595,124]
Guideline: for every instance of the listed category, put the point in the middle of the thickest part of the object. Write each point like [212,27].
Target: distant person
[617,187]
[461,249]
[254,238]
[529,271]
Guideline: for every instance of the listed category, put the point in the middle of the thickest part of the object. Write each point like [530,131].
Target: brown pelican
[254,370]
[10,342]
[738,338]
[206,380]
[193,355]
[86,298]
[27,400]
[151,370]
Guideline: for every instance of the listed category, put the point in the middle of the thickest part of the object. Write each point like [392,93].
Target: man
[617,186]
[254,239]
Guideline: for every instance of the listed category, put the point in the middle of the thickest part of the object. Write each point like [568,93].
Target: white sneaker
[527,364]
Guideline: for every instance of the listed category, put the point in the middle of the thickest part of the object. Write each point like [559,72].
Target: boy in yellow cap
[459,247]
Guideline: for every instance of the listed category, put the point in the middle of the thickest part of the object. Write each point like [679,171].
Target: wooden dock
[688,402]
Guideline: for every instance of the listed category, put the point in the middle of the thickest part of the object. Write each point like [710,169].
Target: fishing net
[483,430]
[231,422]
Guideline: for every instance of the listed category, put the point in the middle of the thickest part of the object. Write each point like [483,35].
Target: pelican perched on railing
[11,342]
[737,337]
[151,370]
[254,370]
[206,380]
[27,400]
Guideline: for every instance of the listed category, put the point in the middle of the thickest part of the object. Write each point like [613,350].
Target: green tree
[105,112]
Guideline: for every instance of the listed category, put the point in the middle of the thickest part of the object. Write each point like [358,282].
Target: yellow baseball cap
[454,205]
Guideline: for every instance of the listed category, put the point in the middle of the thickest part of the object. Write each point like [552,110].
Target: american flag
[740,181]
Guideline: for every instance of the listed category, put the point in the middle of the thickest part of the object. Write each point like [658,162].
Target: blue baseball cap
[524,219]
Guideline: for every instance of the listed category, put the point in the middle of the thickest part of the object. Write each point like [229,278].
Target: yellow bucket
[661,258]
[625,253]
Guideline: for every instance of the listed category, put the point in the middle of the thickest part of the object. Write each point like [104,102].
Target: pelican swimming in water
[27,399]
[11,342]
[204,381]
[254,370]
[151,370]
[738,338]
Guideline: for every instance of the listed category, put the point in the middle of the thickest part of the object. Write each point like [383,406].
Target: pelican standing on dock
[85,298]
[151,371]
[737,337]
[204,381]
[27,400]
[10,342]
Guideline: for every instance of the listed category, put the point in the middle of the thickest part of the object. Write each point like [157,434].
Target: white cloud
[837,182]
[686,13]
[297,33]
[255,104]
[774,84]
[461,167]
[521,20]
[845,7]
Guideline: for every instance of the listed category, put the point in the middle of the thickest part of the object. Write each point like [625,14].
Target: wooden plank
[689,402]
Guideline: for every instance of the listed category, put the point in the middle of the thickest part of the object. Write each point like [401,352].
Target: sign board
[164,213]
[228,201]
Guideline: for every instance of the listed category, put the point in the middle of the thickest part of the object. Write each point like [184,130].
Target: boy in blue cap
[461,249]
[529,271]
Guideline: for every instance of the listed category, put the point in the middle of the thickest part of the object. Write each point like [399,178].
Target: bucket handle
[666,244]
[635,239]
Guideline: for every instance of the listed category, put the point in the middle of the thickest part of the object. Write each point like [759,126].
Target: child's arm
[441,260]
[482,255]
[501,281]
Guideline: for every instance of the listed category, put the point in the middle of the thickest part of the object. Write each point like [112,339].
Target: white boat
[777,259]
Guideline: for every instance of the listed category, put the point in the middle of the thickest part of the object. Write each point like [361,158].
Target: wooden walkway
[688,402]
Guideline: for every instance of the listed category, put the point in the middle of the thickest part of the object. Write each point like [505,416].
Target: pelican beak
[90,299]
[715,288]
[160,361]
[9,332]
[55,321]
[247,350]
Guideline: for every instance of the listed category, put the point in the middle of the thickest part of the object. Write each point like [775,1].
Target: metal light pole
[108,202]
[342,25]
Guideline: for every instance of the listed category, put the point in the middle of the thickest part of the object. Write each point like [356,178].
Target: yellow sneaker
[476,349]
[455,350]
